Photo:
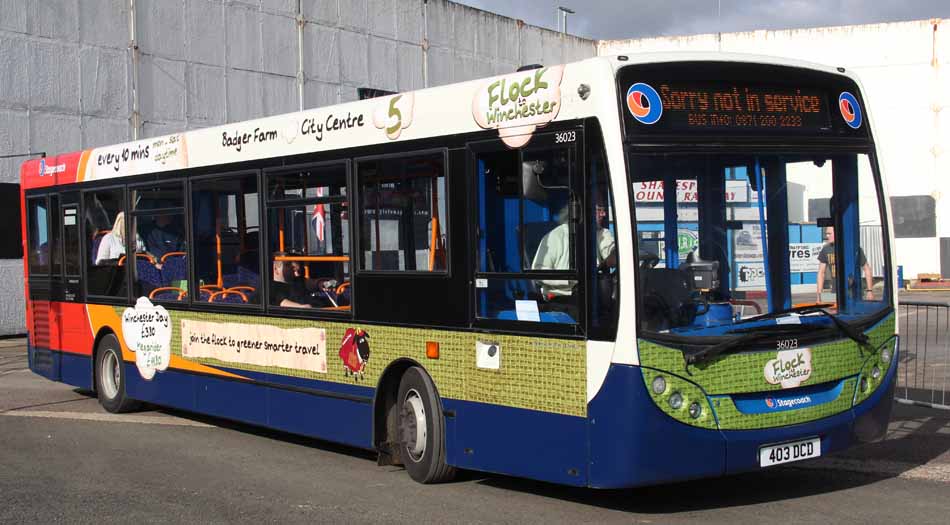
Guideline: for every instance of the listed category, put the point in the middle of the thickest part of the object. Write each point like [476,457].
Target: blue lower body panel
[300,406]
[633,443]
[43,361]
[517,441]
[76,370]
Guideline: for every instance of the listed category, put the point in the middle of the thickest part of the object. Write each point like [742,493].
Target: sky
[621,19]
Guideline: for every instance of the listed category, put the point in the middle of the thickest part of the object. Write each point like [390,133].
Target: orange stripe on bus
[102,316]
[81,170]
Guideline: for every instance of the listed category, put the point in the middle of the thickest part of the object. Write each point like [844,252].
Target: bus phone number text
[725,120]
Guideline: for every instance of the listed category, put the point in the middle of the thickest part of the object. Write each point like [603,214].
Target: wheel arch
[384,402]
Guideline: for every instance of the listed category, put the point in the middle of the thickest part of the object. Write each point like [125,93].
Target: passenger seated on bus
[286,288]
[112,244]
[164,238]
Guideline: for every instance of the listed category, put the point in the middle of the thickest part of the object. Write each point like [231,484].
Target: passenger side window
[309,238]
[106,237]
[402,213]
[226,240]
[160,271]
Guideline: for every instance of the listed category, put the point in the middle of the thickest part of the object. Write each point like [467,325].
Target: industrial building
[76,74]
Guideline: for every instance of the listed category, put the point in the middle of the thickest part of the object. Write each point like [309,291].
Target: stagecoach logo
[790,368]
[644,103]
[147,331]
[783,403]
[49,171]
[393,114]
[850,110]
[518,104]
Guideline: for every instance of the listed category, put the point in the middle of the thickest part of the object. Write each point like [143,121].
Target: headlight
[864,384]
[875,373]
[886,355]
[659,385]
[695,410]
[676,400]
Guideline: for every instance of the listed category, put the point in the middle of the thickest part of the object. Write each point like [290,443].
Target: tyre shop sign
[803,257]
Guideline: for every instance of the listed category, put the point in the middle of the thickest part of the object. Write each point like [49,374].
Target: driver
[554,252]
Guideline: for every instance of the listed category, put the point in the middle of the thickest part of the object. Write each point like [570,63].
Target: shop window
[914,216]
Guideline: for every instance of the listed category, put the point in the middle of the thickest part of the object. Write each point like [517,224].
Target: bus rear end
[765,327]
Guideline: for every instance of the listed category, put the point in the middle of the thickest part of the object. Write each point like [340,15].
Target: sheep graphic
[354,351]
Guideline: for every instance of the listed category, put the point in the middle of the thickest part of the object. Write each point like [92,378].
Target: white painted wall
[903,67]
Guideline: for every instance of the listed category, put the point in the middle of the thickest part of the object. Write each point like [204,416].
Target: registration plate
[788,452]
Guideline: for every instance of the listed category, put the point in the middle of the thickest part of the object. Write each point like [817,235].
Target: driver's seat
[667,298]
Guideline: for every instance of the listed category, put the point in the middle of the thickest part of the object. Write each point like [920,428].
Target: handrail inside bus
[140,255]
[181,292]
[172,254]
[225,293]
[312,258]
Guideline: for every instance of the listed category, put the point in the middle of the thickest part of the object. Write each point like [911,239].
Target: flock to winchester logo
[790,368]
[518,104]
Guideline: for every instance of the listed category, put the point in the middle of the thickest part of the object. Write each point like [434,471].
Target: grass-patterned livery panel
[547,375]
[841,361]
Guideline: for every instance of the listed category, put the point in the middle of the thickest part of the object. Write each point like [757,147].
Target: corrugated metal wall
[67,71]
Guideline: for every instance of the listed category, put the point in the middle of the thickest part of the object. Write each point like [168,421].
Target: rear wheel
[110,377]
[422,429]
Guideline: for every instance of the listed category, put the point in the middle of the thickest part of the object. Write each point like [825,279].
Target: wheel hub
[413,423]
[110,374]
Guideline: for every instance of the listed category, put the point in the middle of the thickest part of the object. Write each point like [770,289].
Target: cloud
[618,19]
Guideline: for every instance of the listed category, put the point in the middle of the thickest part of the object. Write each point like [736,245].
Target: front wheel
[110,377]
[422,429]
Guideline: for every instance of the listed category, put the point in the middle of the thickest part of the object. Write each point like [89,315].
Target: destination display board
[739,99]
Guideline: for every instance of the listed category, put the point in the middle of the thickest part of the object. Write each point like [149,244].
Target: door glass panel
[38,237]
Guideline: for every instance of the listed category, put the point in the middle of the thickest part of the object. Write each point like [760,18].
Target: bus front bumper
[633,443]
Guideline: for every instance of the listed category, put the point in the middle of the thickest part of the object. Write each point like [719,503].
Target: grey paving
[73,463]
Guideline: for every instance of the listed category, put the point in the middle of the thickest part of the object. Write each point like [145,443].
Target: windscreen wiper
[749,335]
[845,327]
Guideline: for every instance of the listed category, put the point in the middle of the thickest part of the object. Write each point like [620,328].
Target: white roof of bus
[492,103]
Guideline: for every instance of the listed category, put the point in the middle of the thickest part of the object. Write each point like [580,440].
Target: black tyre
[110,377]
[422,429]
